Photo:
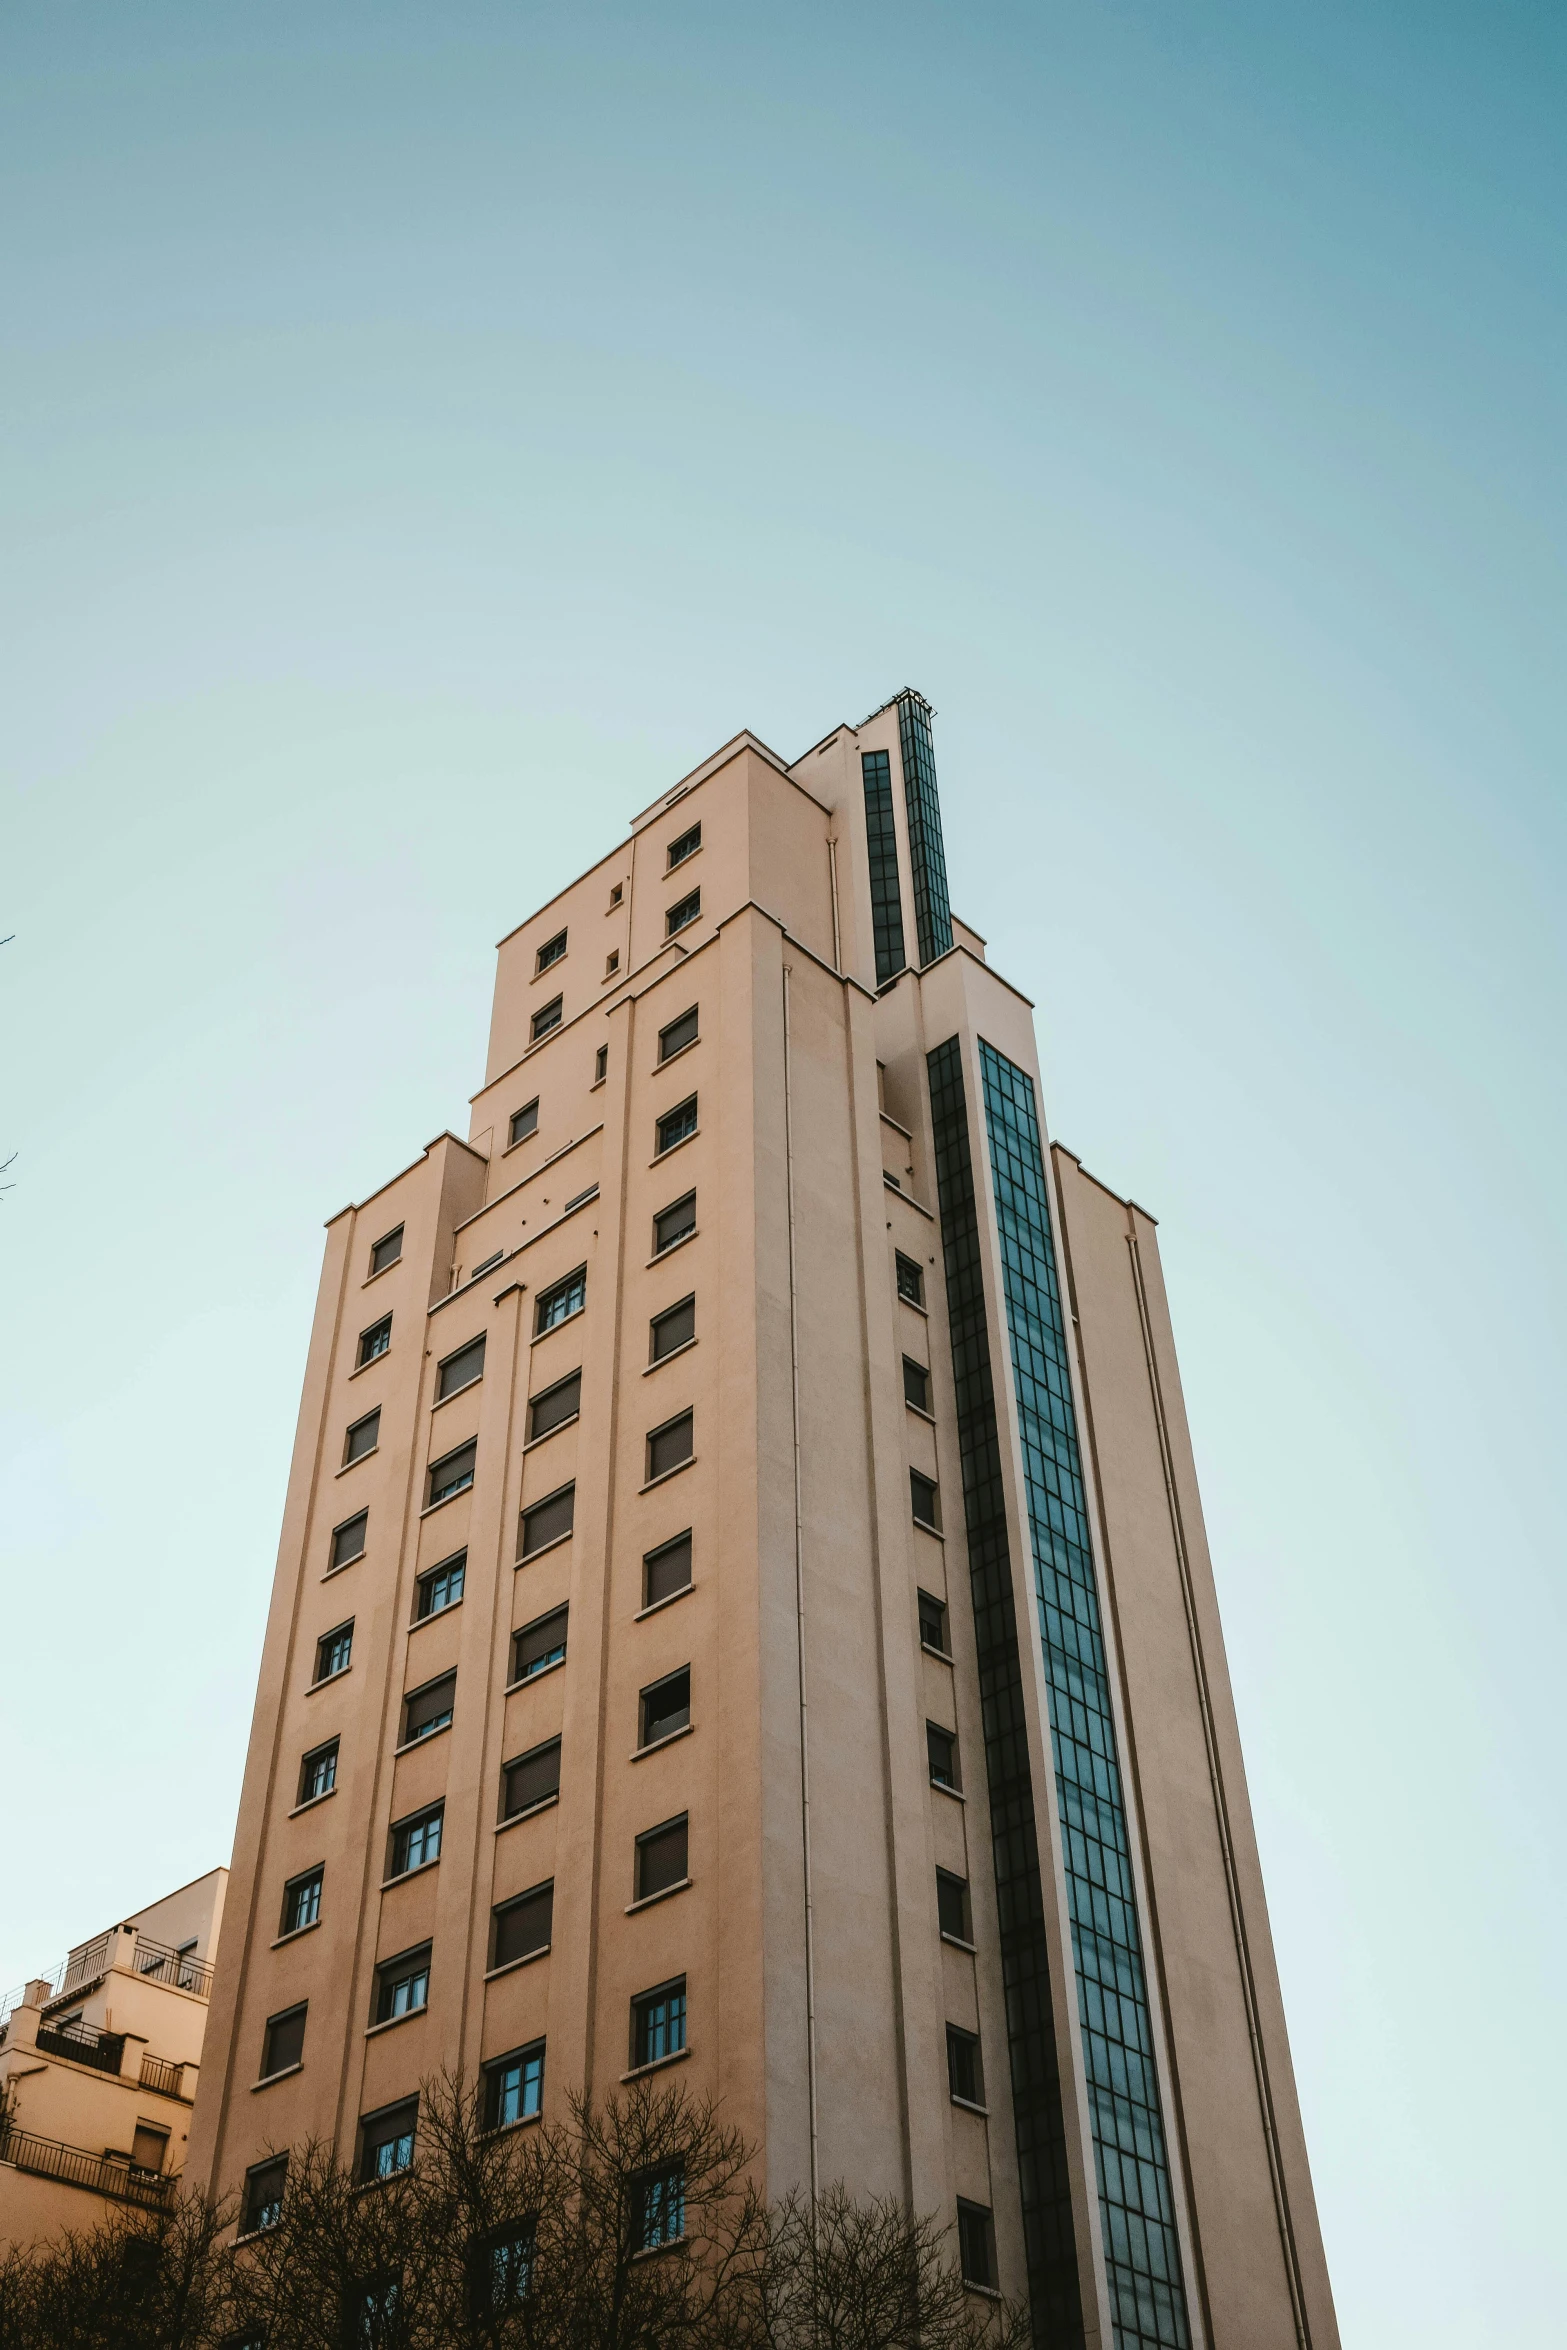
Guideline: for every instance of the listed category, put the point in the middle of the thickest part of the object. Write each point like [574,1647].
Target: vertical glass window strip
[886,891]
[1142,2255]
[927,852]
[1049,2242]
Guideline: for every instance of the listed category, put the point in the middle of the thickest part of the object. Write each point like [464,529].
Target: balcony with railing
[83,2044]
[104,2174]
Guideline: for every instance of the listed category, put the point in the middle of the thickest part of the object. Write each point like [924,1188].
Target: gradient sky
[428,431]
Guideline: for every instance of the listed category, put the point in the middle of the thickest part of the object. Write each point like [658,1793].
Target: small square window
[441,1587]
[538,1645]
[318,1772]
[601,1064]
[334,1650]
[911,1279]
[514,2087]
[617,892]
[678,1035]
[976,2246]
[681,916]
[546,1018]
[302,1901]
[686,846]
[534,1778]
[916,1384]
[658,2022]
[374,1342]
[348,1540]
[547,1521]
[672,1329]
[550,952]
[666,1707]
[925,1502]
[522,1928]
[264,2186]
[933,1624]
[941,1748]
[452,1473]
[460,1369]
[386,1251]
[283,2043]
[362,1437]
[386,2141]
[666,1570]
[670,1447]
[952,1911]
[555,1406]
[612,963]
[428,1709]
[965,2076]
[658,2207]
[674,1223]
[676,1125]
[416,1842]
[402,1986]
[524,1122]
[558,1303]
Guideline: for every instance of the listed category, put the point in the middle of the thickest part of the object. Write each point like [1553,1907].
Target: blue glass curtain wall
[927,852]
[882,841]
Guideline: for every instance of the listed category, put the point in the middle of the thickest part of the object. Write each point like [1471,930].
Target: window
[666,1707]
[534,1778]
[362,1437]
[402,1986]
[264,2186]
[386,1251]
[612,963]
[558,1304]
[924,1501]
[302,1900]
[911,1279]
[601,1064]
[916,1384]
[933,1624]
[374,1342]
[538,1645]
[965,2077]
[283,2043]
[676,1124]
[673,1223]
[682,915]
[658,2207]
[373,2314]
[522,1927]
[452,1473]
[881,841]
[514,2087]
[547,1521]
[666,1570]
[386,2140]
[669,1447]
[658,2023]
[460,1369]
[416,1842]
[544,1019]
[677,1035]
[674,1328]
[501,2267]
[550,952]
[318,1772]
[441,1587]
[941,1748]
[976,2246]
[524,1122]
[555,1406]
[662,1855]
[686,846]
[579,1199]
[428,1709]
[617,893]
[952,1906]
[485,1263]
[333,1651]
[348,1540]
[149,2146]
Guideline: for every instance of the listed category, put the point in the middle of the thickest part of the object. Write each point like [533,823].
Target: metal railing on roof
[83,2044]
[161,1964]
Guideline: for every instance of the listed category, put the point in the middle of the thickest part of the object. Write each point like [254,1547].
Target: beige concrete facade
[98,2068]
[808,1287]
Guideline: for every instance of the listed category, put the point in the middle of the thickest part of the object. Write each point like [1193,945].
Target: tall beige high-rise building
[743,1606]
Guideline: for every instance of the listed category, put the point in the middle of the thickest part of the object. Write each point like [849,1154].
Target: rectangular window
[669,1447]
[441,1587]
[460,1369]
[676,1327]
[658,2206]
[976,2246]
[617,893]
[452,1473]
[601,1064]
[402,1984]
[386,2140]
[686,846]
[677,1035]
[676,1125]
[544,1019]
[666,1707]
[952,1914]
[881,841]
[283,2042]
[916,1384]
[348,1540]
[149,2147]
[612,962]
[965,2078]
[658,2022]
[941,1748]
[924,1501]
[318,1772]
[302,1901]
[386,1251]
[362,1437]
[501,2267]
[374,1342]
[911,1279]
[524,1122]
[555,1406]
[514,2087]
[538,1645]
[558,1303]
[933,1624]
[522,1927]
[416,1842]
[373,2307]
[673,1223]
[662,1855]
[681,916]
[534,1778]
[550,952]
[428,1709]
[547,1521]
[264,2186]
[334,1650]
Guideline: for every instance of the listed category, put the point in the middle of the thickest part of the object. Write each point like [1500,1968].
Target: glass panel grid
[927,852]
[1142,2255]
[882,842]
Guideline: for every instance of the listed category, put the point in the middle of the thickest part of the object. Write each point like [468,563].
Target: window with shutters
[916,1384]
[521,1928]
[933,1624]
[416,1842]
[678,1035]
[283,2043]
[558,1303]
[402,1985]
[672,1329]
[674,1223]
[952,1906]
[555,1406]
[263,2198]
[547,1521]
[941,1749]
[452,1473]
[386,2139]
[334,1651]
[667,1570]
[524,1122]
[665,1707]
[374,1342]
[362,1437]
[538,1645]
[318,1772]
[531,1780]
[925,1502]
[428,1709]
[386,1251]
[661,1858]
[670,1446]
[546,1018]
[348,1540]
[460,1370]
[440,1587]
[676,1126]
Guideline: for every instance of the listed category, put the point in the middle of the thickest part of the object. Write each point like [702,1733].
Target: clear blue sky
[427,431]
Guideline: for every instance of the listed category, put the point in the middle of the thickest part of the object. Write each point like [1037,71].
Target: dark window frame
[686,1418]
[666,1050]
[435,1725]
[548,1395]
[687,1199]
[660,1551]
[546,1299]
[326,1752]
[646,1736]
[381,1330]
[324,1647]
[410,1965]
[673,1141]
[529,1549]
[923,1488]
[643,2006]
[553,951]
[342,1531]
[956,1890]
[260,2176]
[658,2206]
[534,1896]
[369,2123]
[530,1111]
[921,1371]
[976,2245]
[684,846]
[370,1420]
[399,1841]
[683,913]
[495,2068]
[936,1609]
[550,1660]
[547,1019]
[434,1500]
[296,1891]
[965,2067]
[551,1795]
[443,1393]
[912,1293]
[271,2070]
[937,1733]
[652,1841]
[378,1264]
[682,1305]
[425,1583]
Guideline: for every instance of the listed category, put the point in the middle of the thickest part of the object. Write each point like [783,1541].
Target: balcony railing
[104,2051]
[160,1964]
[49,2159]
[157,2073]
